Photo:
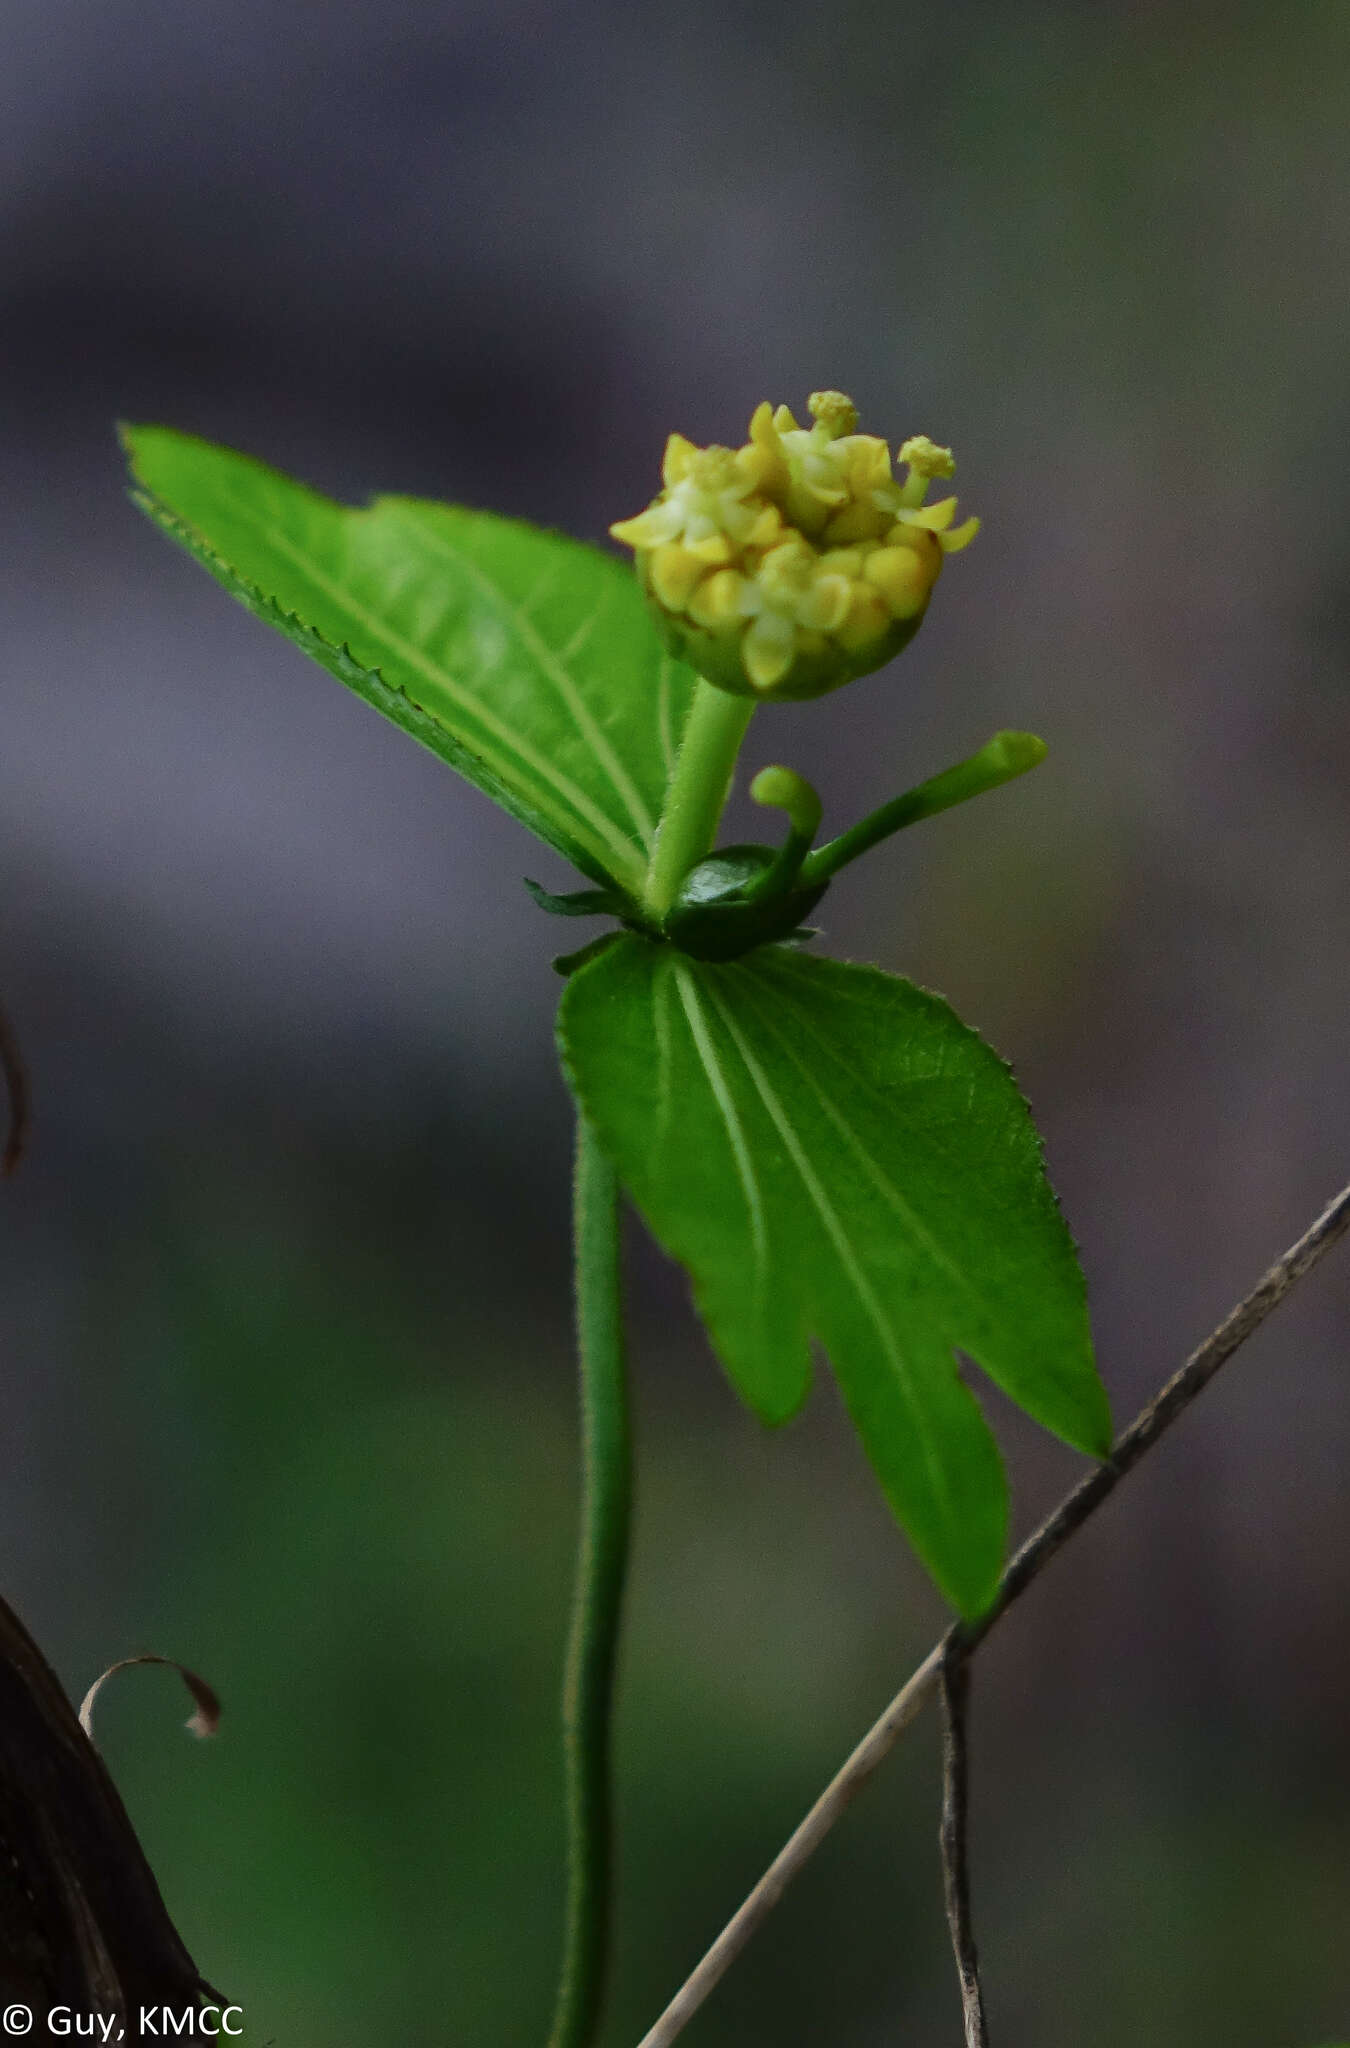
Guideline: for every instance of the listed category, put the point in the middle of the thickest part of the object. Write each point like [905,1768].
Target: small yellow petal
[825,605]
[763,432]
[857,521]
[767,656]
[843,562]
[716,602]
[867,463]
[906,535]
[757,465]
[673,572]
[959,537]
[806,509]
[713,551]
[937,518]
[640,532]
[767,529]
[867,622]
[785,573]
[904,579]
[784,421]
[678,458]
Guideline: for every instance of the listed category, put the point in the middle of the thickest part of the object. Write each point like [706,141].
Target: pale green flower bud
[797,562]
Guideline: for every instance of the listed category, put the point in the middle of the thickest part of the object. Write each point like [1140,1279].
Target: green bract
[833,1155]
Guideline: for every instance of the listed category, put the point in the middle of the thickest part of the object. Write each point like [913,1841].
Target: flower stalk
[698,793]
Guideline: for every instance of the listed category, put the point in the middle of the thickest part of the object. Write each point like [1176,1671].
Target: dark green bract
[723,910]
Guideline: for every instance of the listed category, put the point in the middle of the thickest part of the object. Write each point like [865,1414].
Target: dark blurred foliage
[287,1381]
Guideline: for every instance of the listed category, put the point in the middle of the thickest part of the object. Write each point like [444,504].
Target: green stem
[1006,755]
[602,1555]
[698,791]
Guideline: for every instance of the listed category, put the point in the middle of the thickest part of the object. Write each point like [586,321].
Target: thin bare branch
[954,1682]
[870,1754]
[1028,1563]
[1162,1411]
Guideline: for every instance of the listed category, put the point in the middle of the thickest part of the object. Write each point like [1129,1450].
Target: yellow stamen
[834,412]
[925,458]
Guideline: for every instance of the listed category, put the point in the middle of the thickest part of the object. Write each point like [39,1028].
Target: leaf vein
[612,839]
[552,666]
[844,1251]
[717,1082]
[880,1179]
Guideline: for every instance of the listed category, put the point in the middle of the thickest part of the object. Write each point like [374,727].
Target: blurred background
[287,1384]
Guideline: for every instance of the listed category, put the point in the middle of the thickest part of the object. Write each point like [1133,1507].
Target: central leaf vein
[845,1252]
[875,1172]
[717,1082]
[551,665]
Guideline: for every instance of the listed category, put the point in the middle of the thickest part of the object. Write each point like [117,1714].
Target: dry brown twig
[954,1685]
[963,1638]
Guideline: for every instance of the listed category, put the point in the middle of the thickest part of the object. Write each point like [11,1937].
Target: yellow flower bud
[867,622]
[794,563]
[716,603]
[679,454]
[904,577]
[675,571]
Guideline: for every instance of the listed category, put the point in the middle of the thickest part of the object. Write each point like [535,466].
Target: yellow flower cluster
[791,565]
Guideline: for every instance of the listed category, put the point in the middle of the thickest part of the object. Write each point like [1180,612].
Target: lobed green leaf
[524,659]
[833,1155]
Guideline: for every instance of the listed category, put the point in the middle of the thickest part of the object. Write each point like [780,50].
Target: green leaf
[525,660]
[833,1155]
